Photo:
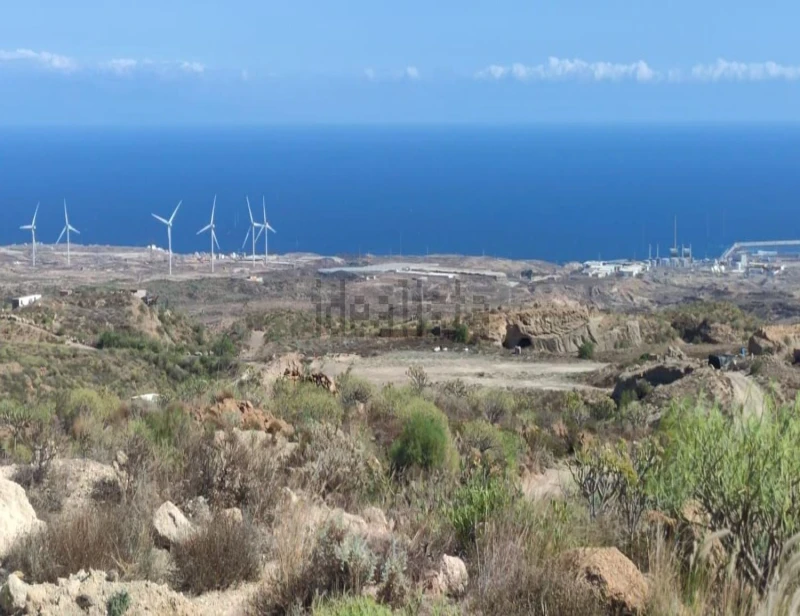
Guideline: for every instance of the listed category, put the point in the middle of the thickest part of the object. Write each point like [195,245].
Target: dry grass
[102,538]
[220,555]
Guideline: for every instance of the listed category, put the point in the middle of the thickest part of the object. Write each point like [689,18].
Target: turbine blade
[260,230]
[244,243]
[73,229]
[214,237]
[264,208]
[177,207]
[158,218]
[26,227]
[63,231]
[213,207]
[34,215]
[66,218]
[249,210]
[204,229]
[269,226]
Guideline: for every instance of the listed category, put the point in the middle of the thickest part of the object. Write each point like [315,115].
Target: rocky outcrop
[556,328]
[653,375]
[244,414]
[89,593]
[170,526]
[17,517]
[612,577]
[775,339]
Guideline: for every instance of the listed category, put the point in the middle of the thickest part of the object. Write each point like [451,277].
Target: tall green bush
[745,474]
[425,441]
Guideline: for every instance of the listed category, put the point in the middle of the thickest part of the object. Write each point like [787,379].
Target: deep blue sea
[558,193]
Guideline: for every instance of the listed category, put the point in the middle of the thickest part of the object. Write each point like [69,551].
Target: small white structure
[152,398]
[25,300]
[139,293]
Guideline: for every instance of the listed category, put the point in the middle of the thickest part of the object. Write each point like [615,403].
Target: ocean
[557,193]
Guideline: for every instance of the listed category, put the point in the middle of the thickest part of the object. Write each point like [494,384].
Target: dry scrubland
[604,470]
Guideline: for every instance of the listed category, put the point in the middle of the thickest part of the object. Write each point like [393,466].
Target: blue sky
[360,61]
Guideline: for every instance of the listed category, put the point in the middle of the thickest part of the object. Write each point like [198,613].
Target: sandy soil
[473,369]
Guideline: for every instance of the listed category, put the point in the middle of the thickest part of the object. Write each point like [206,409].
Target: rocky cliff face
[775,339]
[560,329]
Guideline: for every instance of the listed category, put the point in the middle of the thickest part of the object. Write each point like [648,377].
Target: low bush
[353,390]
[515,555]
[102,538]
[231,472]
[305,402]
[474,503]
[337,563]
[425,441]
[350,606]
[221,554]
[118,603]
[586,350]
[337,466]
[490,448]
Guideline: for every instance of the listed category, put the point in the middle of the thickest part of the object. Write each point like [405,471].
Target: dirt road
[473,369]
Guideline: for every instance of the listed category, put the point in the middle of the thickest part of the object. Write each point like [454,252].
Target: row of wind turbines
[262,227]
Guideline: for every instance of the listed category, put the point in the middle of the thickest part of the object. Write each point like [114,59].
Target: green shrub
[586,350]
[496,405]
[461,333]
[350,606]
[474,503]
[168,427]
[603,409]
[305,402]
[118,603]
[425,441]
[353,390]
[495,448]
[743,472]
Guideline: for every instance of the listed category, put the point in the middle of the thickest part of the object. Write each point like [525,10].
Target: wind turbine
[265,228]
[169,231]
[251,231]
[67,228]
[210,227]
[32,228]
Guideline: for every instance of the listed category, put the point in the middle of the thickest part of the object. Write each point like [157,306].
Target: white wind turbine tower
[32,228]
[251,231]
[169,231]
[67,228]
[265,228]
[211,227]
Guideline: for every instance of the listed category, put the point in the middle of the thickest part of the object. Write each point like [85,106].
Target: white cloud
[44,58]
[558,69]
[723,70]
[121,66]
[412,72]
[193,67]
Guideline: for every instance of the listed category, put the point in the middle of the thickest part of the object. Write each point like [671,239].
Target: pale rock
[170,526]
[13,595]
[17,517]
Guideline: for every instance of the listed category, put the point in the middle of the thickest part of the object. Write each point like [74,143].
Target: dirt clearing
[473,369]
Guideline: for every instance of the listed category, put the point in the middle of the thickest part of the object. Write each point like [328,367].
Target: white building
[25,300]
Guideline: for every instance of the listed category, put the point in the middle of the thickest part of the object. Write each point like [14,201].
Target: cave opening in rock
[515,338]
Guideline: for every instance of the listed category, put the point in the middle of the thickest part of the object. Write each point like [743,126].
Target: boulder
[198,510]
[775,339]
[233,515]
[170,526]
[13,595]
[17,517]
[450,579]
[613,578]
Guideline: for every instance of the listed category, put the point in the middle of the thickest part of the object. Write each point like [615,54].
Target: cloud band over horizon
[555,69]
